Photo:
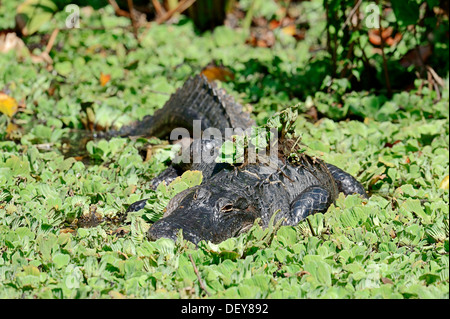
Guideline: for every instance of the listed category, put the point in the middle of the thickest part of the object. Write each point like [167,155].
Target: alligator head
[207,212]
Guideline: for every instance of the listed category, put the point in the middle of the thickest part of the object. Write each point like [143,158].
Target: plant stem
[133,19]
[385,68]
[249,16]
[198,276]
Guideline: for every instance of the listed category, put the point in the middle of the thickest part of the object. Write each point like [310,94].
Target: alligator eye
[226,208]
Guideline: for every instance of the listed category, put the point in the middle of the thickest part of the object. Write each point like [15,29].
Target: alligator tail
[197,99]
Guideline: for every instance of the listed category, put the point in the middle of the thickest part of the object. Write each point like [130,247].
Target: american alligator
[231,198]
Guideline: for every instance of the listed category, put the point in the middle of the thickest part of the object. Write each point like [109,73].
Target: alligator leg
[137,205]
[314,199]
[168,175]
[345,182]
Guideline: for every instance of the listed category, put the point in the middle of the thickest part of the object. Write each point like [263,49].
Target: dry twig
[436,79]
[385,68]
[182,6]
[349,18]
[198,276]
[133,19]
[51,41]
[158,8]
[119,11]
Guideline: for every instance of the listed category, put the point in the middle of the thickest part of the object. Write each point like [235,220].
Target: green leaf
[34,13]
[18,166]
[186,180]
[287,236]
[414,206]
[406,12]
[64,68]
[319,270]
[61,260]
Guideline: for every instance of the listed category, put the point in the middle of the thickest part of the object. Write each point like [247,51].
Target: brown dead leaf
[51,90]
[10,41]
[386,281]
[393,234]
[390,145]
[386,36]
[132,188]
[313,114]
[273,24]
[394,40]
[417,56]
[262,44]
[444,183]
[104,78]
[8,105]
[67,230]
[88,119]
[214,72]
[149,153]
[11,128]
[376,178]
[374,37]
[302,273]
[116,295]
[261,37]
[289,30]
[13,131]
[120,231]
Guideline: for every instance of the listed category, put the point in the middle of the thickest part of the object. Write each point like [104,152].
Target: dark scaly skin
[228,203]
[346,183]
[230,199]
[197,99]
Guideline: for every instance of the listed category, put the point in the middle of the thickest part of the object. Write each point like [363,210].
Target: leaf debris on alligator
[231,198]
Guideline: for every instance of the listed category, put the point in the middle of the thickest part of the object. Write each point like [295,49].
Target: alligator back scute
[238,117]
[197,99]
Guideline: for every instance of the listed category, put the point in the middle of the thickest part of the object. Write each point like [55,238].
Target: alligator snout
[197,225]
[161,229]
[167,228]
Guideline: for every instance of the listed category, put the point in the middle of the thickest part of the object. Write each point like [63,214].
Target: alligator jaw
[169,228]
[165,229]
